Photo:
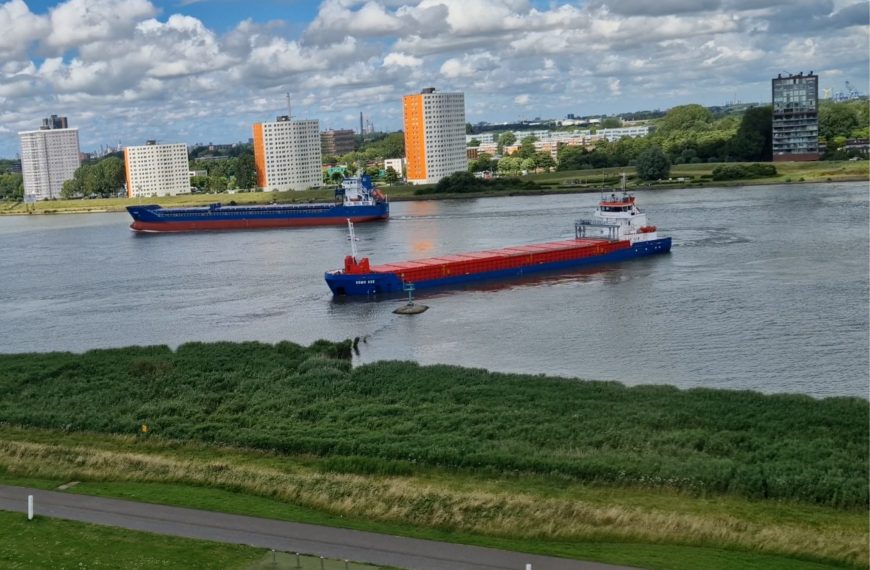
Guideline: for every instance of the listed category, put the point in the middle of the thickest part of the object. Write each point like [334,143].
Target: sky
[125,71]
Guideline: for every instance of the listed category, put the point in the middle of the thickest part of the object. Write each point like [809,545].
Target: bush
[653,164]
[466,182]
[743,171]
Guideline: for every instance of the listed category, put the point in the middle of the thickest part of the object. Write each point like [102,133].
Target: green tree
[544,159]
[199,182]
[753,139]
[217,184]
[527,164]
[527,147]
[481,164]
[245,171]
[837,119]
[110,176]
[509,165]
[686,118]
[572,158]
[653,164]
[71,189]
[394,146]
[611,123]
[474,143]
[11,186]
[505,139]
[391,176]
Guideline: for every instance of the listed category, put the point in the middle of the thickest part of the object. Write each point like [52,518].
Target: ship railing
[582,227]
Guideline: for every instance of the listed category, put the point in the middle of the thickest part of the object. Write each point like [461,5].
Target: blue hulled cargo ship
[617,231]
[356,199]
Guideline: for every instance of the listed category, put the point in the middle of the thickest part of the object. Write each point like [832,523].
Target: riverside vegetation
[686,176]
[544,460]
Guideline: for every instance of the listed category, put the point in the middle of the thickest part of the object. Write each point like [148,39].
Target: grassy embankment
[59,544]
[688,479]
[552,182]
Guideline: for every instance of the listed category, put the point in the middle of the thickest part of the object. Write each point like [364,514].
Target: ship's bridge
[616,217]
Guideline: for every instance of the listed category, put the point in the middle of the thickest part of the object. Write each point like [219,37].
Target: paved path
[330,542]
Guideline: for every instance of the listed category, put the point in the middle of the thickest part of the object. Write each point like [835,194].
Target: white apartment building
[613,135]
[397,164]
[49,157]
[157,170]
[434,135]
[287,154]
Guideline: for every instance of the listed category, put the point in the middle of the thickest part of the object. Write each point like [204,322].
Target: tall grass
[389,416]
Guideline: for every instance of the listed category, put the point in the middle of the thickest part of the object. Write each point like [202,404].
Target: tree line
[687,134]
[233,172]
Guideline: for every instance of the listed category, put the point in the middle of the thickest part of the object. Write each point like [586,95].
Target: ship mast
[352,237]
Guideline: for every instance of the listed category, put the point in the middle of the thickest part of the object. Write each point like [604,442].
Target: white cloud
[78,22]
[402,60]
[523,99]
[457,68]
[19,27]
[613,85]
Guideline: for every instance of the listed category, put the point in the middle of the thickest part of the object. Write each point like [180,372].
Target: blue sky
[124,71]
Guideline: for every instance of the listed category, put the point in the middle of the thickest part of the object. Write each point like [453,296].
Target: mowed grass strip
[528,520]
[60,544]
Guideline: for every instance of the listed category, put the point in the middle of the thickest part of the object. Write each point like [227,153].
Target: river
[766,289]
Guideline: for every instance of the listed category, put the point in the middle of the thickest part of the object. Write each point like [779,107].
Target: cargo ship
[617,231]
[356,199]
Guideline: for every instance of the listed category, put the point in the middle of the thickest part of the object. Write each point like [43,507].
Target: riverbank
[686,176]
[697,478]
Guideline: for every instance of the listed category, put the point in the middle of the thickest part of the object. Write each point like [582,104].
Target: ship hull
[391,282]
[156,219]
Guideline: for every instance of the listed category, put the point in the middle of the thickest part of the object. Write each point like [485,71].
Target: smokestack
[361,132]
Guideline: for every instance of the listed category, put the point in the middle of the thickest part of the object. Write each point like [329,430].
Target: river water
[766,289]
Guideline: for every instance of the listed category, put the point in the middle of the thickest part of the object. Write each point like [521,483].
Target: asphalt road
[330,542]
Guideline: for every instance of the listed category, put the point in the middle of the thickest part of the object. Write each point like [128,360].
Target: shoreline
[544,191]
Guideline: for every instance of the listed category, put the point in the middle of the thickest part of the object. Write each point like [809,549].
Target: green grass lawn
[60,545]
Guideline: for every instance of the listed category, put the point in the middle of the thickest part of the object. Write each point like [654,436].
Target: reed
[389,417]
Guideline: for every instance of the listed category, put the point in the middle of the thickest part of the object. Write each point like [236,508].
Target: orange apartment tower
[434,126]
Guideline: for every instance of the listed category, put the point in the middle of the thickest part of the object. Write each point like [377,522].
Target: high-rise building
[795,117]
[434,135]
[287,154]
[49,157]
[157,169]
[337,142]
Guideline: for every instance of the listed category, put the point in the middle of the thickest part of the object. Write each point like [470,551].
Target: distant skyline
[125,71]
